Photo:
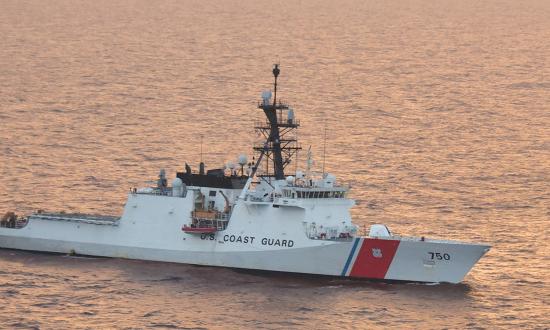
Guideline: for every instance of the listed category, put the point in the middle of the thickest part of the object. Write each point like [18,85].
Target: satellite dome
[242,160]
[177,182]
[177,187]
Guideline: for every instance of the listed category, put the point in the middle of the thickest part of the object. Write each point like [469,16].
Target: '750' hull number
[439,256]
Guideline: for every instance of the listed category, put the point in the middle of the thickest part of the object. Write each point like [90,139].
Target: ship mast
[279,131]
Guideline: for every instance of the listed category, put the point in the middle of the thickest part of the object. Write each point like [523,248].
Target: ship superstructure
[262,215]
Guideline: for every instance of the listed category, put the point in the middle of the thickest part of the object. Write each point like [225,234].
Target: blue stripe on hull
[350,257]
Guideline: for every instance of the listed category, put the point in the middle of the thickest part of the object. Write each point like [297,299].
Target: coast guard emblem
[377,253]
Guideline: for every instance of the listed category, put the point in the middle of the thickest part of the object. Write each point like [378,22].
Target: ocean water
[438,113]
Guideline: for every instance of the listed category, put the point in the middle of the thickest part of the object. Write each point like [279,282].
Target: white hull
[150,229]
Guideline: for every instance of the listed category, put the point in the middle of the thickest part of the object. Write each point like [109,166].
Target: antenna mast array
[279,130]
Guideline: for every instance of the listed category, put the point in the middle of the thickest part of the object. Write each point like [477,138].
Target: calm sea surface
[438,112]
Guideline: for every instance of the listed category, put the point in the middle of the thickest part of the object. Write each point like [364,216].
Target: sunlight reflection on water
[437,113]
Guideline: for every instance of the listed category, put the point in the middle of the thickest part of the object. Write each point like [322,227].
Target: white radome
[242,160]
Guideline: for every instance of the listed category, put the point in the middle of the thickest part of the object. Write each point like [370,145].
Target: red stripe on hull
[374,258]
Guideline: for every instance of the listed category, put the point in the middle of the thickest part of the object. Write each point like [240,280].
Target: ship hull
[259,237]
[395,260]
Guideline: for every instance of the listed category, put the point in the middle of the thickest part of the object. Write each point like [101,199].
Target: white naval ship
[253,217]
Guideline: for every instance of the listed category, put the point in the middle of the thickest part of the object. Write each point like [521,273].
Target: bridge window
[315,194]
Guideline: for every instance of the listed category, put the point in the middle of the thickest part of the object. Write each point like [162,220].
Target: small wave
[529,282]
[305,309]
[439,109]
[45,304]
[476,208]
[20,325]
[10,292]
[513,207]
[152,313]
[169,279]
[167,325]
[529,85]
[90,286]
[152,158]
